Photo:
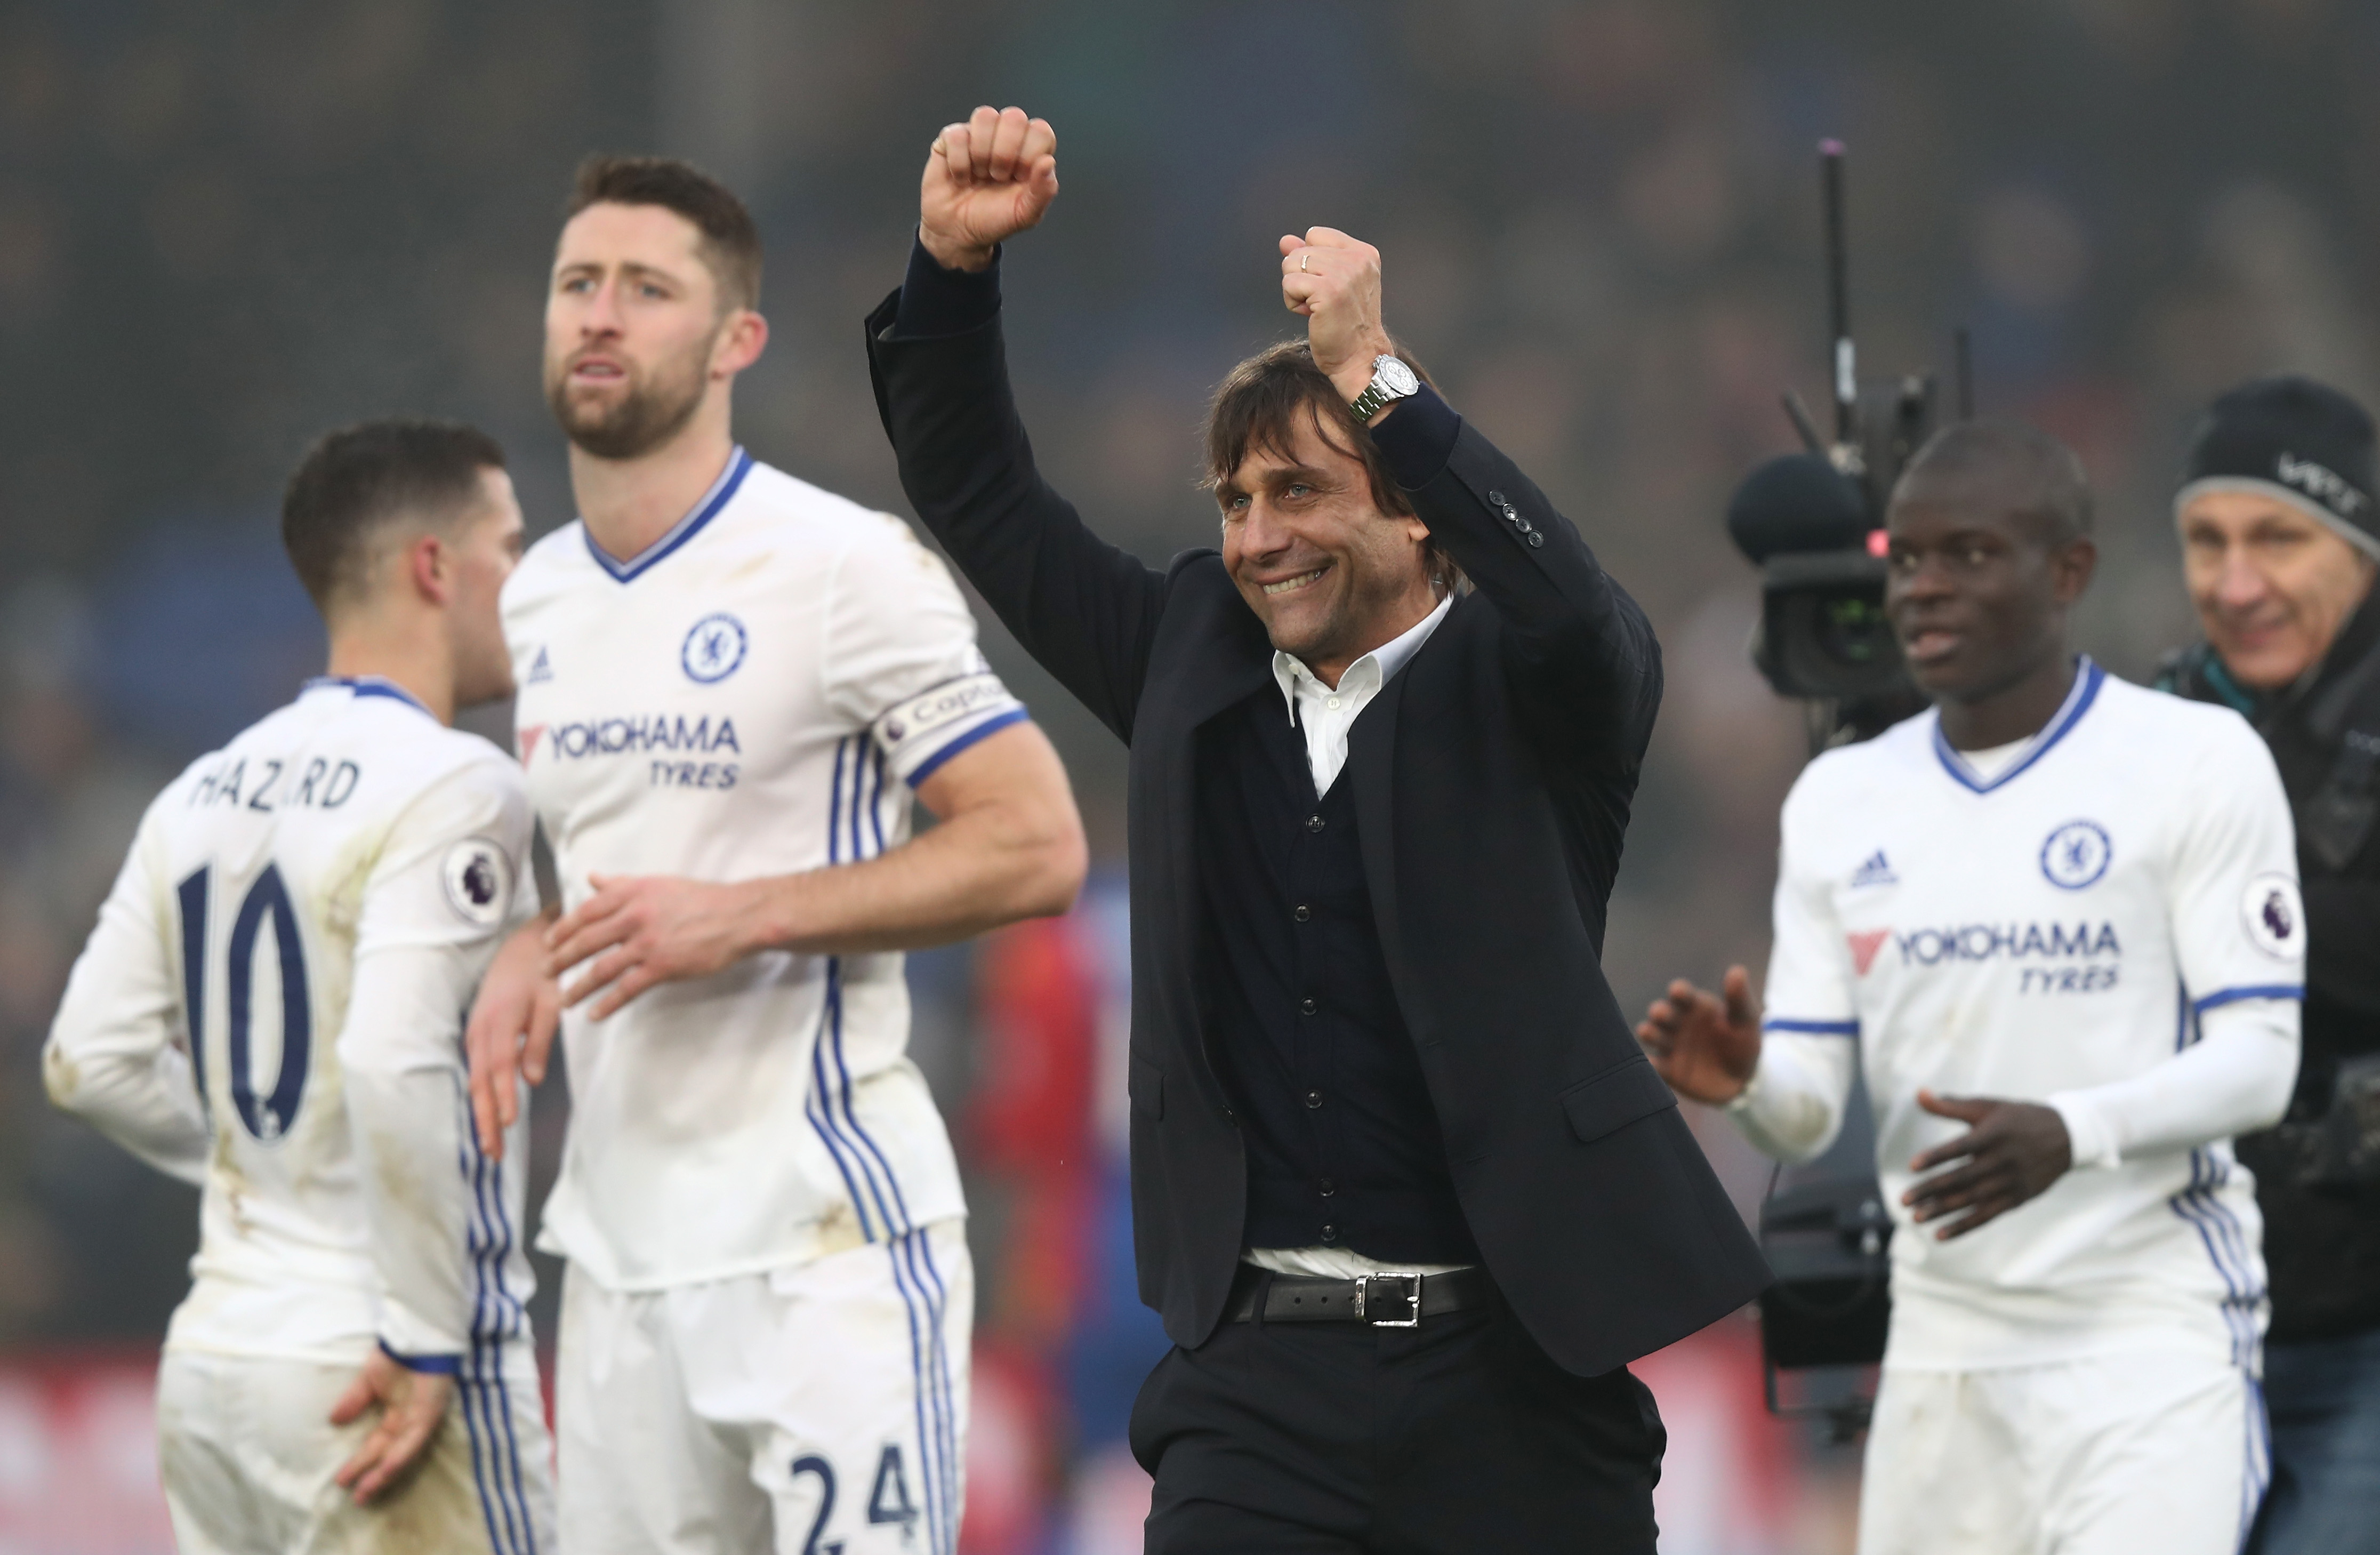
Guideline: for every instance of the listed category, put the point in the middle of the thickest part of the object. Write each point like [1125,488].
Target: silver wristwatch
[1390,380]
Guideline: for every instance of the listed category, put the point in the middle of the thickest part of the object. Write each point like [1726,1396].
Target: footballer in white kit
[724,719]
[2097,925]
[271,1009]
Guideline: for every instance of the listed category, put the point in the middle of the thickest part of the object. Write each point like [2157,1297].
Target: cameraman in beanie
[2280,543]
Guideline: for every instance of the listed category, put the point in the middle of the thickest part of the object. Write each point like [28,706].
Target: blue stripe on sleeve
[1815,1028]
[989,726]
[2257,990]
[439,1366]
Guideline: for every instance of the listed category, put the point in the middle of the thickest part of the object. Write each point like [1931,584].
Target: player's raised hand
[1332,281]
[2013,1151]
[645,930]
[986,181]
[510,1034]
[412,1407]
[1706,1045]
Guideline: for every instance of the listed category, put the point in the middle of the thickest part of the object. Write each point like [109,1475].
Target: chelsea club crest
[2076,854]
[713,649]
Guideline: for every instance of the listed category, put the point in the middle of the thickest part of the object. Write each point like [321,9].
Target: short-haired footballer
[2057,922]
[271,1009]
[734,686]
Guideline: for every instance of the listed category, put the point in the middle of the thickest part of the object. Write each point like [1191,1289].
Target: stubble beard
[1316,636]
[651,412]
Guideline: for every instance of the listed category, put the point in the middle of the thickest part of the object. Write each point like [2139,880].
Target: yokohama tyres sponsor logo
[2053,958]
[640,735]
[2006,942]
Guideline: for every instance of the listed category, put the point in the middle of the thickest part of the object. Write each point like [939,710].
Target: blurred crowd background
[225,227]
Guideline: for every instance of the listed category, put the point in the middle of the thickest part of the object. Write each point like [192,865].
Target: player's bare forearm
[1010,846]
[974,872]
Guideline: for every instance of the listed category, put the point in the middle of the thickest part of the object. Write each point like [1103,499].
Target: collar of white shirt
[1365,675]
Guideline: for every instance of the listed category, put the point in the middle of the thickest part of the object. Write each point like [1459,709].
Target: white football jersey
[2058,925]
[754,695]
[271,1008]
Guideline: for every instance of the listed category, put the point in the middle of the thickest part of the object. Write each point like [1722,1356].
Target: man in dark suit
[1404,1190]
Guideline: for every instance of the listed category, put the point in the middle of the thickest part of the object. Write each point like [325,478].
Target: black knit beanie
[2294,440]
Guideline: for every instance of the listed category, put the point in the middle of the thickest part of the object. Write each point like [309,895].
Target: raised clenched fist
[986,181]
[1333,282]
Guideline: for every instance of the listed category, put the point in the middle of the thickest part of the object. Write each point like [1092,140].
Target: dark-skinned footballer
[2057,922]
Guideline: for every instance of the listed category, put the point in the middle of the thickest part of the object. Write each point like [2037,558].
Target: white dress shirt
[1326,713]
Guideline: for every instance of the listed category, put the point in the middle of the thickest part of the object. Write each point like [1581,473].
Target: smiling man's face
[2272,586]
[1330,575]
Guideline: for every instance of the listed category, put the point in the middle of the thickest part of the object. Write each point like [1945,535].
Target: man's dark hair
[357,481]
[2041,479]
[731,243]
[1259,405]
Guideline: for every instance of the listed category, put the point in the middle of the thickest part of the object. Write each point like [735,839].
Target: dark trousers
[1454,1437]
[2323,1397]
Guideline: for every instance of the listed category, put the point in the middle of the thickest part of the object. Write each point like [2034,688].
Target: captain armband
[921,733]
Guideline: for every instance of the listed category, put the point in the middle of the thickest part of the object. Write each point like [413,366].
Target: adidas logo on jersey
[1875,872]
[540,671]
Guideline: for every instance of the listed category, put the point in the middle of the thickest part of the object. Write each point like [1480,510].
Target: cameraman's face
[1328,574]
[2272,584]
[1976,597]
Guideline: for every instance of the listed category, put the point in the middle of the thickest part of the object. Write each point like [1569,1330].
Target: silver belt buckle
[1411,1295]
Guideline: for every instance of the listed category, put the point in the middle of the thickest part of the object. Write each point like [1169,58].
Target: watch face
[1395,377]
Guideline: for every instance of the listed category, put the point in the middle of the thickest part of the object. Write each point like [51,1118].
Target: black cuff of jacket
[442,1366]
[1419,439]
[936,302]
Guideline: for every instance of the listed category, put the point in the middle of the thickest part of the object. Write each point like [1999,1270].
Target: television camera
[1813,522]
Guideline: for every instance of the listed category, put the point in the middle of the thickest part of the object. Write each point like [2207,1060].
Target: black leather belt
[1395,1300]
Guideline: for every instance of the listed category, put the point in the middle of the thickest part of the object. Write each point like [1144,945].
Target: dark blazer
[1492,780]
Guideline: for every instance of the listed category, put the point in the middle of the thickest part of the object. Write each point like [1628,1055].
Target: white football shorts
[2116,1454]
[247,1450]
[819,1406]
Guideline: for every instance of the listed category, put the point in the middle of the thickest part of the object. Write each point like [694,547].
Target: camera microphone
[1797,502]
[1813,524]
